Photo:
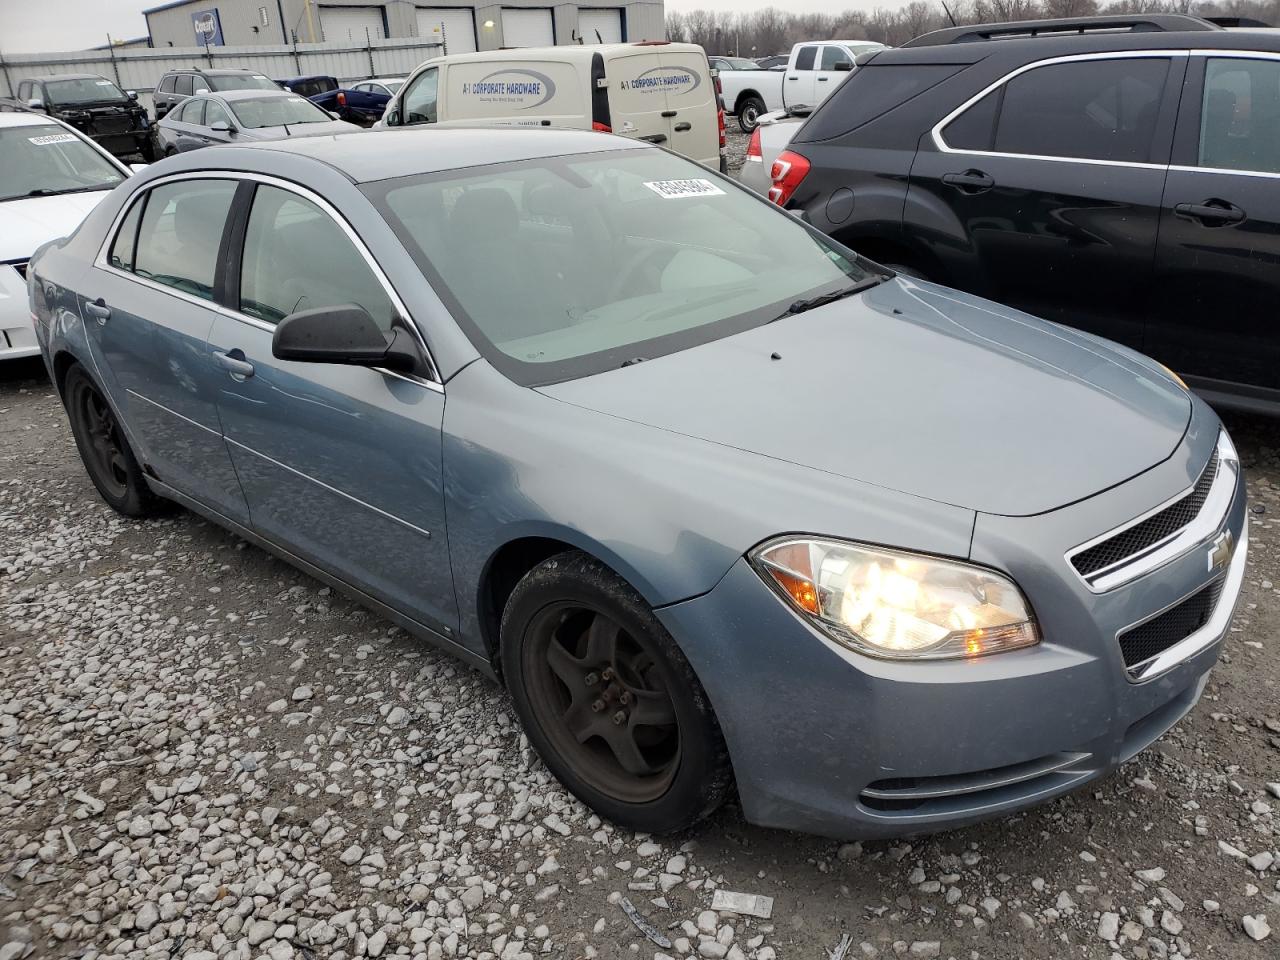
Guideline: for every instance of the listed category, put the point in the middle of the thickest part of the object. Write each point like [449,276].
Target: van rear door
[637,97]
[515,92]
[691,103]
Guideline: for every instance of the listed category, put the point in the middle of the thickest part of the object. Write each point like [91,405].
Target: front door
[1214,312]
[801,81]
[1045,193]
[341,465]
[827,77]
[148,312]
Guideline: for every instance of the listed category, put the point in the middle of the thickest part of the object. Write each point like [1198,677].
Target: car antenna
[947,11]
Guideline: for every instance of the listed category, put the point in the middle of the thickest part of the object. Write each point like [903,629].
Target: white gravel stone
[1256,927]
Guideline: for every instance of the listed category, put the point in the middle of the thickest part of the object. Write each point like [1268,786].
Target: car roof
[67,76]
[231,96]
[216,71]
[22,119]
[366,156]
[570,52]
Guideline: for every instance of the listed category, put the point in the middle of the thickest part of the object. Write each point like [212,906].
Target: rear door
[637,96]
[514,92]
[1217,284]
[800,85]
[694,128]
[826,78]
[1044,193]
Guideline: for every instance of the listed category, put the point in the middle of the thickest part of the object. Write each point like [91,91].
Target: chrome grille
[1149,532]
[1139,644]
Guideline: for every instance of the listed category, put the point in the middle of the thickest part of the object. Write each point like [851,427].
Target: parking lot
[205,753]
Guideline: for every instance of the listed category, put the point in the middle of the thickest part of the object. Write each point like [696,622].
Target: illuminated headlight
[895,605]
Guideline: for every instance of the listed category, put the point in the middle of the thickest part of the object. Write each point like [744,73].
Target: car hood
[919,389]
[26,224]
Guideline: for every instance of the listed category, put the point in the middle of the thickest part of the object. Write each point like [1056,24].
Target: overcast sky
[39,25]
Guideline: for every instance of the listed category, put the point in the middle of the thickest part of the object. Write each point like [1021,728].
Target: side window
[126,240]
[192,112]
[806,57]
[166,84]
[24,91]
[199,85]
[214,113]
[1088,109]
[975,129]
[1240,115]
[297,258]
[183,86]
[833,55]
[419,101]
[181,232]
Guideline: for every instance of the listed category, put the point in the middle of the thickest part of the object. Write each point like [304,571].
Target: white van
[656,91]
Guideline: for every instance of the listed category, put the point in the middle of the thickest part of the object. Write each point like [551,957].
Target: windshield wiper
[800,306]
[46,192]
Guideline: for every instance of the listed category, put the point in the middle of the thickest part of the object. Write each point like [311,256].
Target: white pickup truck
[814,70]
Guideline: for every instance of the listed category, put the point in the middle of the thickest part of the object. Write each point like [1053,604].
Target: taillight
[599,127]
[720,122]
[787,172]
[753,147]
[719,85]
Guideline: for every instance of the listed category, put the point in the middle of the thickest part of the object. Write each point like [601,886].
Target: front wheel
[148,150]
[608,699]
[749,113]
[105,451]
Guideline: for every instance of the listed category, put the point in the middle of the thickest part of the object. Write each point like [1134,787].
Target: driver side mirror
[346,334]
[844,66]
[34,104]
[391,118]
[221,126]
[133,95]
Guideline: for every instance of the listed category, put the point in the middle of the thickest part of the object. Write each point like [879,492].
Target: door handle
[823,79]
[655,138]
[793,78]
[682,127]
[99,310]
[971,181]
[1213,212]
[234,363]
[668,113]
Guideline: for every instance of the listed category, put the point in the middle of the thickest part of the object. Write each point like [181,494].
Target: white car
[51,176]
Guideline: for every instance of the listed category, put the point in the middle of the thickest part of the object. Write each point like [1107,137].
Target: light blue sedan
[729,510]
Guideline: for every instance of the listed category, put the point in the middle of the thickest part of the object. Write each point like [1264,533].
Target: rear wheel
[608,699]
[106,454]
[749,113]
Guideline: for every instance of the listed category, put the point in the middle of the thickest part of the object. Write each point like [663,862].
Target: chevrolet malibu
[728,509]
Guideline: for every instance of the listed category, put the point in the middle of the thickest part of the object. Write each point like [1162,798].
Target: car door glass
[833,55]
[1092,109]
[420,99]
[183,85]
[297,258]
[193,112]
[167,84]
[214,113]
[1240,115]
[975,129]
[126,240]
[181,232]
[806,57]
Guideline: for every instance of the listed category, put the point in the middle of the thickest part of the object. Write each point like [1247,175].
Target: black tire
[104,450]
[749,112]
[913,272]
[148,150]
[573,602]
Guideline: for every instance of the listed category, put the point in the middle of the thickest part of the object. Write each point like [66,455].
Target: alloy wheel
[105,446]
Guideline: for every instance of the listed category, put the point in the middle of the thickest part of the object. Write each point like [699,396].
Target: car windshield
[48,159]
[563,267]
[393,86]
[244,81]
[66,93]
[275,111]
[739,63]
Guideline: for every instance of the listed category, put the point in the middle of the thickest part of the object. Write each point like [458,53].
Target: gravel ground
[206,754]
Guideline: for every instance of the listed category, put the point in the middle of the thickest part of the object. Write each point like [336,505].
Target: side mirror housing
[344,334]
[844,65]
[34,104]
[221,126]
[133,95]
[391,117]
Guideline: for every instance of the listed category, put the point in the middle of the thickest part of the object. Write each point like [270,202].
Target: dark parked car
[96,107]
[363,103]
[776,62]
[176,85]
[242,116]
[1117,174]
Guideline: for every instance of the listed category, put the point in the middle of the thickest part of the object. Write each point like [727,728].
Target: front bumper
[827,741]
[17,334]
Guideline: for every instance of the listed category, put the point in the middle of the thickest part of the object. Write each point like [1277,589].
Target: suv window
[833,55]
[297,258]
[1240,115]
[1088,109]
[805,58]
[183,85]
[24,91]
[167,83]
[871,91]
[181,232]
[420,99]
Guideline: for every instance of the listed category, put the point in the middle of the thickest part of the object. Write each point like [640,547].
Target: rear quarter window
[870,92]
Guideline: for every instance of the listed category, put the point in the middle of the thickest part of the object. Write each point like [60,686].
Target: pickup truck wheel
[749,114]
[609,700]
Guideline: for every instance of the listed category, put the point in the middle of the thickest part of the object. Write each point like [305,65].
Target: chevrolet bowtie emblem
[1220,551]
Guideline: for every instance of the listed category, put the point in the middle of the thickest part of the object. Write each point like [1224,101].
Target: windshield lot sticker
[676,189]
[52,138]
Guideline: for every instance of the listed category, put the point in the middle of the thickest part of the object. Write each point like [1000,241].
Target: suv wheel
[608,699]
[749,114]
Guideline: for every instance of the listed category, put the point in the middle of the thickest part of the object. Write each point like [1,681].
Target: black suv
[1117,174]
[176,85]
[96,107]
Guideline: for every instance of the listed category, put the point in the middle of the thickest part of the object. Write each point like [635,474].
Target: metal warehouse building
[465,27]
